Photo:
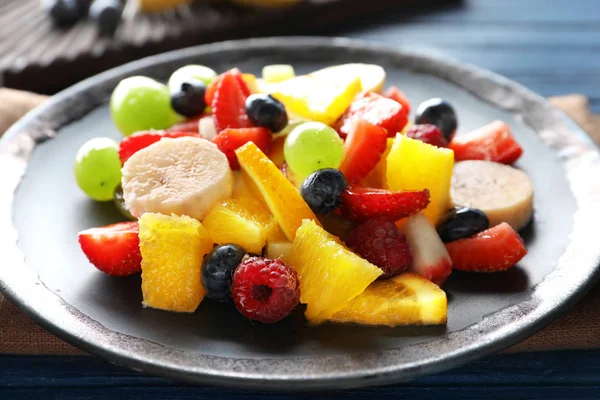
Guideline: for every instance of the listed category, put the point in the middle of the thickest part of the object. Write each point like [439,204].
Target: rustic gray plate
[46,275]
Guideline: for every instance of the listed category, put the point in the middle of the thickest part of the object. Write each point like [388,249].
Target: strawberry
[230,139]
[379,242]
[139,140]
[113,249]
[229,103]
[189,125]
[363,149]
[361,203]
[397,95]
[430,257]
[492,142]
[495,249]
[376,109]
[212,86]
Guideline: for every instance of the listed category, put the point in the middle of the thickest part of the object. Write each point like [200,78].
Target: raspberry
[427,133]
[380,242]
[265,290]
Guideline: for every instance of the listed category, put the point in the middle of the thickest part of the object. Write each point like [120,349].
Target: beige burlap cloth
[579,328]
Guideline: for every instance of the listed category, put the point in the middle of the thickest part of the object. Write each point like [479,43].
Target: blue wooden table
[551,46]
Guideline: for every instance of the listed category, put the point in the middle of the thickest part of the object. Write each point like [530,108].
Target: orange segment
[414,165]
[330,275]
[282,198]
[172,250]
[406,299]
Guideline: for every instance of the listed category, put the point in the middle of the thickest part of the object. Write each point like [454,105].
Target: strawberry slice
[363,149]
[362,203]
[492,142]
[212,86]
[229,103]
[113,249]
[189,125]
[376,109]
[139,140]
[397,95]
[495,249]
[230,139]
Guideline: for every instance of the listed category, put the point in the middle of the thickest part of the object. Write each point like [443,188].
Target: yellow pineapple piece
[414,165]
[330,275]
[172,250]
[406,299]
[377,177]
[282,198]
[317,99]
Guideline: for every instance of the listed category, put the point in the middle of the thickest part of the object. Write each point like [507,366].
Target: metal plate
[44,272]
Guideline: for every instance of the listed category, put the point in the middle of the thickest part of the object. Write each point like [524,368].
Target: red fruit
[430,257]
[230,139]
[362,203]
[376,109]
[379,242]
[265,290]
[212,86]
[396,94]
[189,125]
[229,104]
[113,249]
[492,142]
[496,249]
[363,149]
[139,140]
[427,133]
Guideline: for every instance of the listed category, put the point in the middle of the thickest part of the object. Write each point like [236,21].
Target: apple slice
[430,257]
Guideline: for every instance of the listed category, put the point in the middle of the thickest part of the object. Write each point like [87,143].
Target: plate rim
[77,329]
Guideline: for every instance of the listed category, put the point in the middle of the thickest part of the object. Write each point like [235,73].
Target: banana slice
[183,176]
[504,193]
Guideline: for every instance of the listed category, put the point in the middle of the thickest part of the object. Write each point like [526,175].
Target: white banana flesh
[504,193]
[182,176]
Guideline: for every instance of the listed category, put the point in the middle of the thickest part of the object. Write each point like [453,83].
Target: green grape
[98,168]
[139,103]
[201,72]
[312,146]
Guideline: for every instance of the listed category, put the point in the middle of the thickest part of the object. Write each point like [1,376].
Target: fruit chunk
[440,113]
[240,221]
[113,249]
[282,198]
[277,72]
[140,140]
[379,241]
[266,111]
[322,190]
[172,250]
[212,87]
[97,168]
[363,149]
[406,299]
[414,165]
[430,257]
[462,222]
[377,177]
[276,152]
[229,103]
[315,98]
[330,274]
[361,203]
[230,139]
[183,176]
[281,250]
[492,142]
[427,133]
[218,268]
[372,77]
[496,249]
[265,290]
[397,95]
[376,109]
[503,193]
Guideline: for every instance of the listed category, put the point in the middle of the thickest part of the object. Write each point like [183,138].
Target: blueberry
[187,97]
[440,113]
[266,111]
[107,15]
[462,222]
[322,190]
[63,12]
[218,268]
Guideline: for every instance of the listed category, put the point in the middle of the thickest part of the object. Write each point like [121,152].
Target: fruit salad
[327,192]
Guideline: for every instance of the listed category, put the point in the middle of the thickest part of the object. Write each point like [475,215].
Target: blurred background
[550,46]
